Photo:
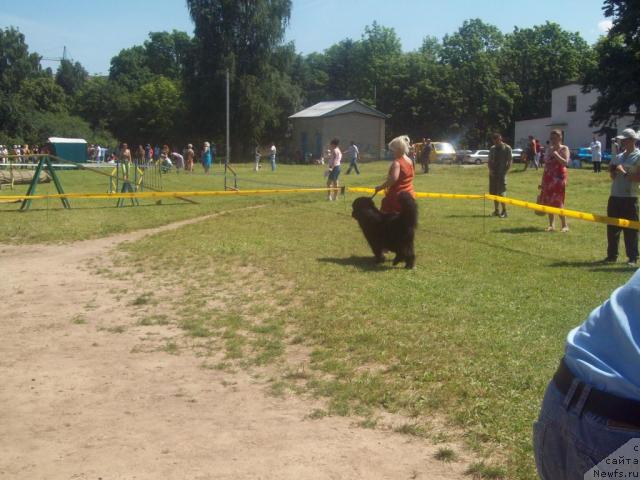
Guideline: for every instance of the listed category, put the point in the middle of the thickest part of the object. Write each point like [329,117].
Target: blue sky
[96,30]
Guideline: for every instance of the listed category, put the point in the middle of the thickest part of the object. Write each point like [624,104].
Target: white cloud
[604,26]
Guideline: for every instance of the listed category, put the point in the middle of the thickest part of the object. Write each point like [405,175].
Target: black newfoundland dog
[389,231]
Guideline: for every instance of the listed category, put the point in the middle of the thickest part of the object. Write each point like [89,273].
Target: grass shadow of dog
[365,264]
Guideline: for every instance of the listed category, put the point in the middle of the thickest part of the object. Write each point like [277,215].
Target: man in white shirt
[596,154]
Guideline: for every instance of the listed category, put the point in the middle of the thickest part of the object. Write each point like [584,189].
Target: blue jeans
[273,162]
[353,164]
[568,442]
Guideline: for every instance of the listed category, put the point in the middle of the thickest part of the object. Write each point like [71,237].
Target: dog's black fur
[389,231]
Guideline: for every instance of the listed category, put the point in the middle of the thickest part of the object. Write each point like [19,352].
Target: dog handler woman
[400,177]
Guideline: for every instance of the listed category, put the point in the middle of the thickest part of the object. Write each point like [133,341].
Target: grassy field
[472,335]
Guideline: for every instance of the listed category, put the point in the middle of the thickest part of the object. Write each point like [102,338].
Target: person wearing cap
[591,408]
[624,171]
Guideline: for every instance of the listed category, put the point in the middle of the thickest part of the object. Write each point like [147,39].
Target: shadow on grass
[520,230]
[478,215]
[596,266]
[367,264]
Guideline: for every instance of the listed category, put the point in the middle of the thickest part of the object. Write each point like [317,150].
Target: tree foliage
[242,36]
[617,73]
[539,59]
[71,76]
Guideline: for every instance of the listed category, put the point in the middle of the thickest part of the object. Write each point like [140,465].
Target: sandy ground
[81,402]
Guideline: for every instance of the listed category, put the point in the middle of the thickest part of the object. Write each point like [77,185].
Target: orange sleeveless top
[403,184]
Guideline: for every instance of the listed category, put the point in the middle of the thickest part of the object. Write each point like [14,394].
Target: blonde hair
[400,145]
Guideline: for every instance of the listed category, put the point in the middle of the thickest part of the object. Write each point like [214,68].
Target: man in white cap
[623,201]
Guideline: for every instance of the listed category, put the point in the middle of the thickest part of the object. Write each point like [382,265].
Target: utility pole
[228,136]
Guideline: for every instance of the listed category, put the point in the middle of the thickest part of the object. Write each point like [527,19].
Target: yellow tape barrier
[457,196]
[589,217]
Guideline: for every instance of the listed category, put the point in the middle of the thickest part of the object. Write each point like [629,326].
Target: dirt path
[82,402]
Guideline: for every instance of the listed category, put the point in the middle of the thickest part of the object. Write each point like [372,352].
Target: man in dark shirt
[500,160]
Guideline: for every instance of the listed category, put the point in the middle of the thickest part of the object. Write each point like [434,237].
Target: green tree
[16,63]
[617,74]
[43,94]
[167,53]
[241,35]
[539,59]
[157,112]
[103,103]
[381,52]
[130,68]
[71,76]
[473,53]
[342,63]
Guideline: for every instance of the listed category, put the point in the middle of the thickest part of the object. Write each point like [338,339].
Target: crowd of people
[166,157]
[22,154]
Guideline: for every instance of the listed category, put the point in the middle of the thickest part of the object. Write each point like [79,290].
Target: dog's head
[362,205]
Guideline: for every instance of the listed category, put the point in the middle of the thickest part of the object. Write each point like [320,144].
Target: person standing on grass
[139,154]
[596,155]
[257,156]
[425,154]
[189,156]
[500,160]
[624,171]
[125,153]
[554,178]
[591,408]
[272,156]
[207,157]
[354,155]
[529,152]
[334,170]
[400,176]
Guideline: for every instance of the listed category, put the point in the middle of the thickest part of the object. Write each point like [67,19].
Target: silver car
[477,157]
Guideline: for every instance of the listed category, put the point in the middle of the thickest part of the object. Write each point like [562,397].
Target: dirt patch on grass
[96,384]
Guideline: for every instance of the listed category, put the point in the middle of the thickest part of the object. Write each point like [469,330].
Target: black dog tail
[409,212]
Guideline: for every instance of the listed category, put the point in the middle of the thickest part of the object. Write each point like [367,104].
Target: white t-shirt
[273,150]
[596,151]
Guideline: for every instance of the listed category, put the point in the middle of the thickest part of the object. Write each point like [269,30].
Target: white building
[570,114]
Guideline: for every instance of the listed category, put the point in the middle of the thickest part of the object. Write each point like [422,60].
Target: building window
[572,103]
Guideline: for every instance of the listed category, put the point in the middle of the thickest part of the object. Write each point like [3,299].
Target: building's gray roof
[328,109]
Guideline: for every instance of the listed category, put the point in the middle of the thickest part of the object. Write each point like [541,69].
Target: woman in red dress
[554,178]
[400,177]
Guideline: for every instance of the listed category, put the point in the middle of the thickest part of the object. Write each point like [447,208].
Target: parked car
[584,155]
[516,154]
[460,154]
[445,153]
[477,157]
